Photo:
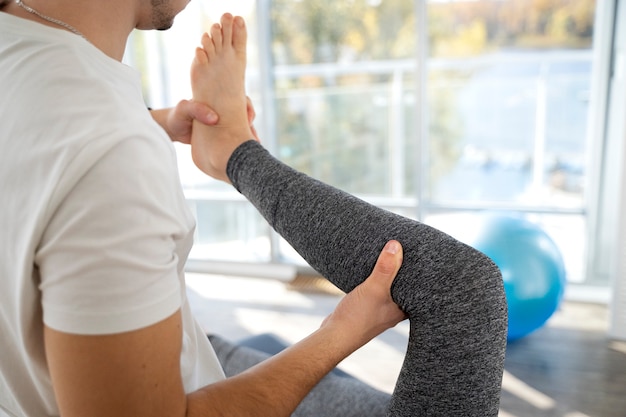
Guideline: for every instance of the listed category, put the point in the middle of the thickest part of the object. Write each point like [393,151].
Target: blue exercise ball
[532,269]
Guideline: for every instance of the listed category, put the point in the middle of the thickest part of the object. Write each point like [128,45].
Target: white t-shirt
[94,228]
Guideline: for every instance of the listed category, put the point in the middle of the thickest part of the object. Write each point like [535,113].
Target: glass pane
[508,110]
[229,230]
[343,83]
[508,101]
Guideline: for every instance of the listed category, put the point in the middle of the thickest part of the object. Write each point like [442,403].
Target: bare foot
[217,79]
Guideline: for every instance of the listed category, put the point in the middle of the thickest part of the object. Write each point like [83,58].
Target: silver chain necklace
[50,19]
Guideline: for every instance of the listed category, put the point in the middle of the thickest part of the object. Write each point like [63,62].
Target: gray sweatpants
[453,294]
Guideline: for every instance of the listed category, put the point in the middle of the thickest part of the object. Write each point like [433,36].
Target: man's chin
[166,26]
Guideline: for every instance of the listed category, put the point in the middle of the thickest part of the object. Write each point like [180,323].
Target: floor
[566,369]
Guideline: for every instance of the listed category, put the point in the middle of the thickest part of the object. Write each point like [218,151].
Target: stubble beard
[162,14]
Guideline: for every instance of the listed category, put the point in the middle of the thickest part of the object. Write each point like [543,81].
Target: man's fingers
[255,135]
[250,110]
[251,116]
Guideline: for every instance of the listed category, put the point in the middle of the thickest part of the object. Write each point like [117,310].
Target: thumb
[201,112]
[389,262]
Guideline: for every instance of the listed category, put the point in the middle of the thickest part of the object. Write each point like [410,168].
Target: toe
[201,56]
[227,28]
[216,37]
[240,34]
[207,44]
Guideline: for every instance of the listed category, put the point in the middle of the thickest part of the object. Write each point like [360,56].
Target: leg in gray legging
[334,396]
[453,294]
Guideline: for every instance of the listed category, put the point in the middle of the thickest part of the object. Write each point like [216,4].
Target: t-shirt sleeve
[109,259]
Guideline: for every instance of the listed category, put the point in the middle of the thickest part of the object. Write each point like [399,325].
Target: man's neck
[106,24]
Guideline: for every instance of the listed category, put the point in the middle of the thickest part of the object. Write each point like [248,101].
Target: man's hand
[178,121]
[368,309]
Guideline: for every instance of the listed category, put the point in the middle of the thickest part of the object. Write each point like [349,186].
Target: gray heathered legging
[453,294]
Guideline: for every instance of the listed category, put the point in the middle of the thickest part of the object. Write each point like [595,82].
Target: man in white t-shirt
[95,232]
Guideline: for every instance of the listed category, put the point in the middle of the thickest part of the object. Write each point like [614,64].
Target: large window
[437,110]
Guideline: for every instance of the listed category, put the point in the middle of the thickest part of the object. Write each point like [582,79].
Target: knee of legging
[477,278]
[458,278]
[480,303]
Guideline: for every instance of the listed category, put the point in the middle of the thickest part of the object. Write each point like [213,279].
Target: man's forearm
[275,387]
